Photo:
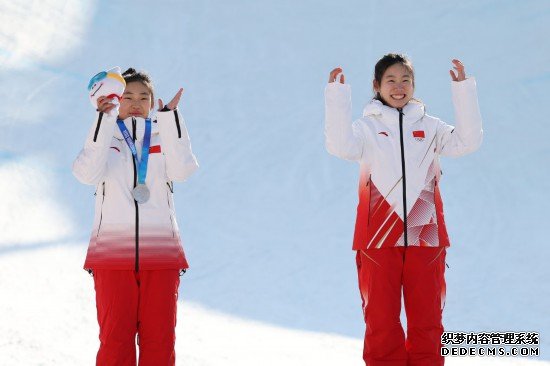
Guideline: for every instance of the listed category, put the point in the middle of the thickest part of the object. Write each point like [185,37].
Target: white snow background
[268,219]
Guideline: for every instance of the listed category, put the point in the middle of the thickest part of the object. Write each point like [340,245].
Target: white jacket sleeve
[467,135]
[342,138]
[91,163]
[176,145]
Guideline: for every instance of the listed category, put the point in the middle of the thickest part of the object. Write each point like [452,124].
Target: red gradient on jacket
[116,249]
[379,226]
[390,231]
[421,220]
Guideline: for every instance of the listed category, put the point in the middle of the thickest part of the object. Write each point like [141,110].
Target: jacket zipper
[135,202]
[101,210]
[404,177]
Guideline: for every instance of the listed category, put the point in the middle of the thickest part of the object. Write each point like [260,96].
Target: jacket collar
[412,112]
[140,128]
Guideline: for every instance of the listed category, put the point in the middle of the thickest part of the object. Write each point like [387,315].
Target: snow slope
[268,219]
[41,332]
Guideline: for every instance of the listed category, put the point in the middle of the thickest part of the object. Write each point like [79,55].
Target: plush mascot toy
[109,84]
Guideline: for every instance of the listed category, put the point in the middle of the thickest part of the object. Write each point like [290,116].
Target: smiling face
[137,101]
[396,87]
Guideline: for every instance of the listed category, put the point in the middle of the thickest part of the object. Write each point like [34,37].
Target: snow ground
[53,324]
[268,219]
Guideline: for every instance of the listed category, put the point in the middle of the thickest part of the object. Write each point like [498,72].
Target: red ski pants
[419,273]
[142,303]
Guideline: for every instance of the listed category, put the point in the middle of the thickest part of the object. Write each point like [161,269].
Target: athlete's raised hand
[105,105]
[460,74]
[334,74]
[173,104]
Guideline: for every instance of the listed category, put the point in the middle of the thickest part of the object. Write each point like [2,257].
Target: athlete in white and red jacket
[400,234]
[127,235]
[135,252]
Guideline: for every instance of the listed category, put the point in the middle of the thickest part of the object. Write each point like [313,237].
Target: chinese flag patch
[419,134]
[154,149]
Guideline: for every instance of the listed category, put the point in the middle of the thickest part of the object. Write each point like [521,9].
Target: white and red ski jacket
[398,153]
[128,235]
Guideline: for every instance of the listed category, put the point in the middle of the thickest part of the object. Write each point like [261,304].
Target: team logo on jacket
[154,149]
[383,133]
[419,135]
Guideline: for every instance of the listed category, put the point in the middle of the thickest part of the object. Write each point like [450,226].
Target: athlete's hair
[131,75]
[386,62]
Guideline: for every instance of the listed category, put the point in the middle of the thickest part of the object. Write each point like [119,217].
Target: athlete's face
[396,87]
[136,101]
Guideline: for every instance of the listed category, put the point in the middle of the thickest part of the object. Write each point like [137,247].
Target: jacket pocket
[168,193]
[361,236]
[369,187]
[101,208]
[437,256]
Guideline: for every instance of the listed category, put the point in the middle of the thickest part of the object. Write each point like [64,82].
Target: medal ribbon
[142,164]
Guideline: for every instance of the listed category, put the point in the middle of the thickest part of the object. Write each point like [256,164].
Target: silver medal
[141,193]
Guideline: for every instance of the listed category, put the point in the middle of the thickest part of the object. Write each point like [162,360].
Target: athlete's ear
[375,86]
